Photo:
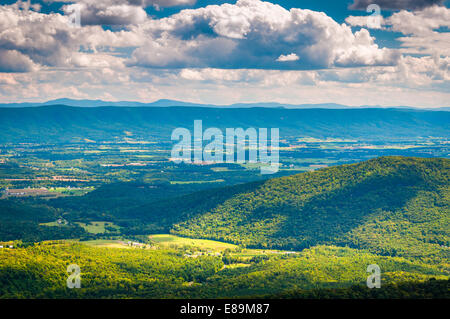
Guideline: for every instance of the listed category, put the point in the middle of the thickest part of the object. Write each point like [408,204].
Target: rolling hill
[389,211]
[390,206]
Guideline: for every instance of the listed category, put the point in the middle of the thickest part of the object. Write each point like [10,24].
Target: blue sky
[336,9]
[235,51]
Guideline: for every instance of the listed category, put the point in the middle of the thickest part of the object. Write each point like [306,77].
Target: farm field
[190,247]
[97,227]
[107,243]
[172,241]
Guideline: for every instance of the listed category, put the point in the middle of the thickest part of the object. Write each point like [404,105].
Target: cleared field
[166,240]
[50,224]
[220,169]
[172,241]
[71,191]
[97,227]
[238,265]
[107,243]
[28,192]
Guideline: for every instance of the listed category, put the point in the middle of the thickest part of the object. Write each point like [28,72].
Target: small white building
[135,244]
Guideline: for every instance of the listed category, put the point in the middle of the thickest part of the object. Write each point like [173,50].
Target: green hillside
[334,222]
[40,271]
[391,206]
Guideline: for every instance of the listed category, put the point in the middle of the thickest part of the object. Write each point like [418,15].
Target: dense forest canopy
[40,271]
[391,206]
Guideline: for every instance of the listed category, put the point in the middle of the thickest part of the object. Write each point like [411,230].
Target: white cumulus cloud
[288,58]
[254,34]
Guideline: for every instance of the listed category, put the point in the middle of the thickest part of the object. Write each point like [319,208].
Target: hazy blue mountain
[168,103]
[61,123]
[98,103]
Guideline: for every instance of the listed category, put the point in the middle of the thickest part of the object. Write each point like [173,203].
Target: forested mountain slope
[390,206]
[390,211]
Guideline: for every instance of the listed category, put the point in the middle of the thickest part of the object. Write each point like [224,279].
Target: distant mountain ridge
[62,124]
[169,103]
[98,103]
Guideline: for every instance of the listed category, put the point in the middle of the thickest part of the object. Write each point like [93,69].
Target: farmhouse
[135,244]
[62,221]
